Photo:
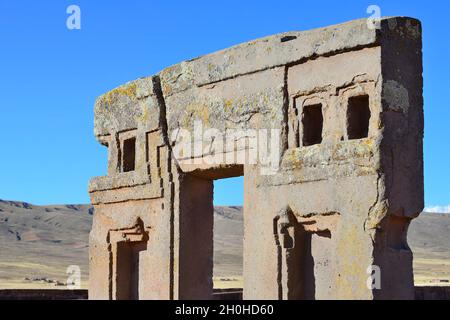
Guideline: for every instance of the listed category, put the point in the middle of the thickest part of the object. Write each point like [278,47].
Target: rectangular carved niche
[306,120]
[304,256]
[312,121]
[128,249]
[129,269]
[127,151]
[129,155]
[358,116]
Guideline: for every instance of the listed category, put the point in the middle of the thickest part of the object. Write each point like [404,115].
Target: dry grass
[54,237]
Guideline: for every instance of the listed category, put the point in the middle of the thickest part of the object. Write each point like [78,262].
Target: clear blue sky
[50,77]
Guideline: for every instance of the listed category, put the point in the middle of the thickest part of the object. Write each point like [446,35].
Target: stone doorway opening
[228,233]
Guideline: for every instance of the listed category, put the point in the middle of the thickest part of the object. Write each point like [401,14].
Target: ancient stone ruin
[340,107]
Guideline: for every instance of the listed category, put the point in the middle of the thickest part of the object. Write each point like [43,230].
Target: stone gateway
[342,108]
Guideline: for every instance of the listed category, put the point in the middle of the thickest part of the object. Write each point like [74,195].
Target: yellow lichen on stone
[196,111]
[351,281]
[376,216]
[167,88]
[292,158]
[228,104]
[144,115]
[128,90]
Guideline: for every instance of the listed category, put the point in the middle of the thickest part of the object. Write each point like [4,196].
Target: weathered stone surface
[129,106]
[344,109]
[265,53]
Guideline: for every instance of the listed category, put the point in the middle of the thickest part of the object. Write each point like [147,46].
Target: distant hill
[38,243]
[429,239]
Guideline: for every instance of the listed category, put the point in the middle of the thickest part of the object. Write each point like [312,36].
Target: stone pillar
[193,247]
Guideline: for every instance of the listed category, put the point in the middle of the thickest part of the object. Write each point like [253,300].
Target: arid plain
[38,243]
